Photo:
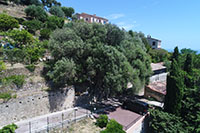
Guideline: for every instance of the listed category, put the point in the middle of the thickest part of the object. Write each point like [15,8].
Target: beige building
[91,18]
[155,43]
[157,86]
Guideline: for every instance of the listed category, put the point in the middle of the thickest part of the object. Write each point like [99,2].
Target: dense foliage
[102,121]
[175,88]
[57,11]
[102,57]
[36,12]
[182,101]
[26,55]
[159,55]
[2,66]
[54,22]
[50,3]
[113,127]
[32,26]
[163,122]
[7,22]
[45,34]
[9,129]
[69,11]
[20,37]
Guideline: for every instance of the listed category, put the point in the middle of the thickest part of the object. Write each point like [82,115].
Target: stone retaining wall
[35,103]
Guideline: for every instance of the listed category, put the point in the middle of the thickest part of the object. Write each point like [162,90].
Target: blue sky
[175,22]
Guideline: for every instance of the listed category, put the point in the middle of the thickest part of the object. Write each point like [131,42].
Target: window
[154,44]
[86,19]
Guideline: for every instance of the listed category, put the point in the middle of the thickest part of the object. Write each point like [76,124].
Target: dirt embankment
[13,10]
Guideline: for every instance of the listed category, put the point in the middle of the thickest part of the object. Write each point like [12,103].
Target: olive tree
[100,64]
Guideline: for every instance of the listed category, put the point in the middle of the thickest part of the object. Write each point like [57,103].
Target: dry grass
[83,126]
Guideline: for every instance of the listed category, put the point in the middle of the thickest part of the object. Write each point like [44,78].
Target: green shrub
[63,72]
[7,22]
[164,122]
[20,20]
[33,53]
[36,12]
[32,26]
[18,80]
[2,66]
[9,129]
[45,44]
[21,37]
[45,34]
[26,55]
[15,55]
[102,121]
[31,67]
[57,11]
[5,95]
[158,55]
[54,22]
[113,127]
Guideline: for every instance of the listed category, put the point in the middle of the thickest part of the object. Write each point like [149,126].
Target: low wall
[139,127]
[35,104]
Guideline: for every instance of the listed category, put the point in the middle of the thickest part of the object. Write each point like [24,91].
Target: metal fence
[48,123]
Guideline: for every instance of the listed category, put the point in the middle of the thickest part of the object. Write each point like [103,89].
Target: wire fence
[46,124]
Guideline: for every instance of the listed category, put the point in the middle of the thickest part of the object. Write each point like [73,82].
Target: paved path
[49,120]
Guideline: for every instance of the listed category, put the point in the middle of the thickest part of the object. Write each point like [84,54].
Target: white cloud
[115,16]
[127,26]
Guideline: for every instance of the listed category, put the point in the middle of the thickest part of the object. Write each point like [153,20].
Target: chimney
[94,14]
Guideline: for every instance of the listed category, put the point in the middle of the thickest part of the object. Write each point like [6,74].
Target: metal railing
[52,121]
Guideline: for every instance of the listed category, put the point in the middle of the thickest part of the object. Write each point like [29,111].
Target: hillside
[13,10]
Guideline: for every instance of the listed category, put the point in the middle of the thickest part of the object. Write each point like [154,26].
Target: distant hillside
[13,10]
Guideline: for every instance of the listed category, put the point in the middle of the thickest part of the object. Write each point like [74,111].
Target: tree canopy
[69,11]
[57,11]
[103,64]
[182,102]
[36,12]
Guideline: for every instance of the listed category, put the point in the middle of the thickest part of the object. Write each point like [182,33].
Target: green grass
[31,67]
[18,80]
[5,95]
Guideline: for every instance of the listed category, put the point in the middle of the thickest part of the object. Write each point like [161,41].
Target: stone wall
[34,103]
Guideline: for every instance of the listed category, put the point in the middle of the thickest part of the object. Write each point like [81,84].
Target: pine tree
[176,54]
[188,68]
[188,65]
[175,87]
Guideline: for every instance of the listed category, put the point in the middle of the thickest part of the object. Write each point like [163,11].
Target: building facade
[157,86]
[155,43]
[91,18]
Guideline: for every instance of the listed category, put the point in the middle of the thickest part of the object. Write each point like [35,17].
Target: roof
[158,87]
[153,39]
[125,117]
[157,66]
[93,16]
